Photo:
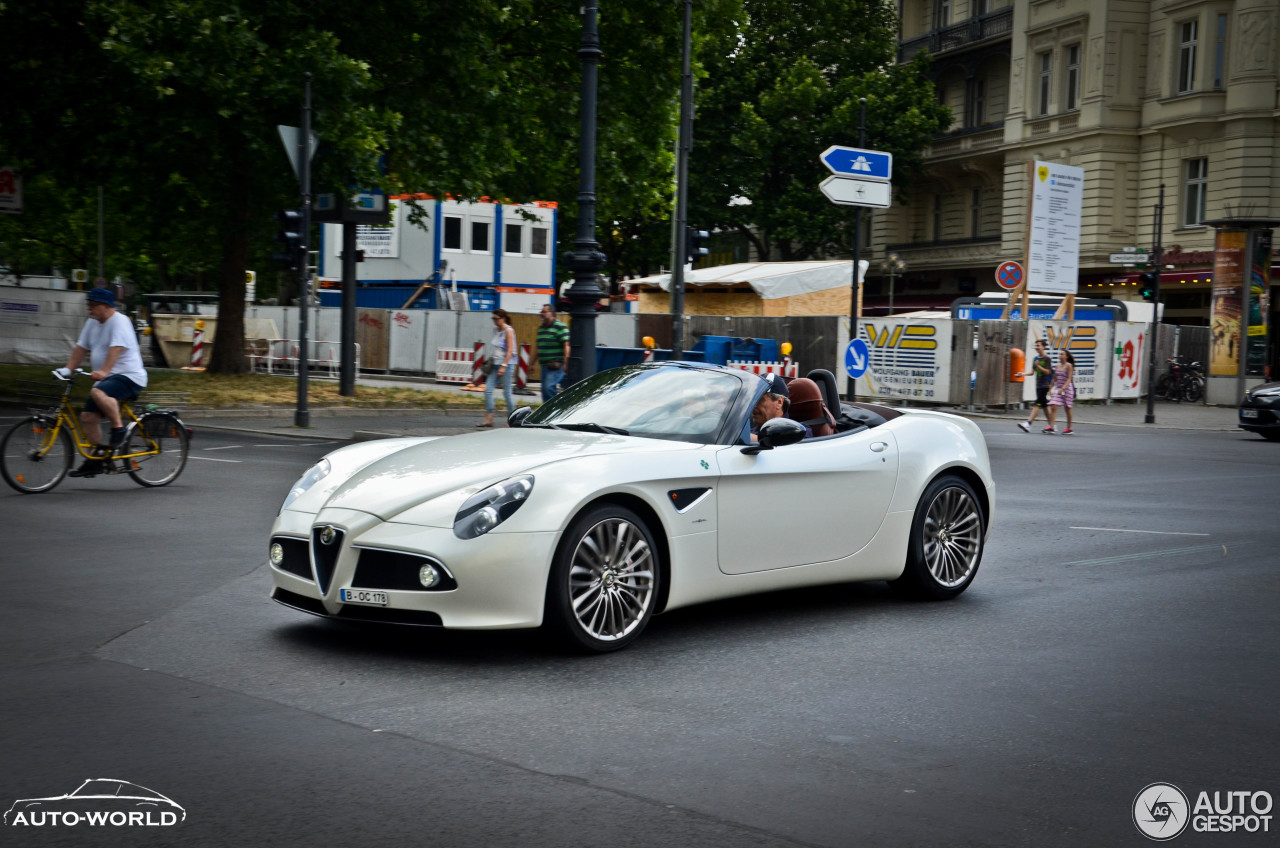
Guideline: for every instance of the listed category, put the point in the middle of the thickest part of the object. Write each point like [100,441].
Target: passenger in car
[774,403]
[807,408]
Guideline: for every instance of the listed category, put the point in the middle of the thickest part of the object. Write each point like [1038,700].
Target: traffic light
[290,238]
[693,244]
[1148,281]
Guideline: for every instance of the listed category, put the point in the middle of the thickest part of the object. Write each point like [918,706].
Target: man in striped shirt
[553,351]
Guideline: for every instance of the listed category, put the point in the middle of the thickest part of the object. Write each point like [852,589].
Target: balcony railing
[986,27]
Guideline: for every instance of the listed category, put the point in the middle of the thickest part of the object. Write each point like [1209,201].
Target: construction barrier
[197,346]
[522,376]
[280,356]
[786,368]
[455,364]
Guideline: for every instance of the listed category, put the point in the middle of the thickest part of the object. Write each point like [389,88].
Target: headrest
[804,390]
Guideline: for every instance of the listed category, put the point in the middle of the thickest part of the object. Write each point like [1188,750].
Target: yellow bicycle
[37,452]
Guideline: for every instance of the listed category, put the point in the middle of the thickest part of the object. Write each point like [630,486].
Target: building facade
[1139,93]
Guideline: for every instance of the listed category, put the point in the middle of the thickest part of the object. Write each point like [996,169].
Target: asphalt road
[1122,631]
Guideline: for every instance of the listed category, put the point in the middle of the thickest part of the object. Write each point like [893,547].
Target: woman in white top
[503,351]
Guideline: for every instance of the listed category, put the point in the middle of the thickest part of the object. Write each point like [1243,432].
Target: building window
[1045,62]
[982,6]
[942,13]
[1187,56]
[452,232]
[1194,192]
[1073,78]
[1220,53]
[975,213]
[538,241]
[937,217]
[513,242]
[978,105]
[479,236]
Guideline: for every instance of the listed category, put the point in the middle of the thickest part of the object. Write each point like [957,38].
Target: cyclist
[109,340]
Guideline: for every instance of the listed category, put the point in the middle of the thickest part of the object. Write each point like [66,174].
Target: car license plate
[363,596]
[1248,413]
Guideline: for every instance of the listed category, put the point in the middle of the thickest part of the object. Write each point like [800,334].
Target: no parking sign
[1009,275]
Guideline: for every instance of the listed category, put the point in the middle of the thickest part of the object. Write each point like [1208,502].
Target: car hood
[421,471]
[1265,390]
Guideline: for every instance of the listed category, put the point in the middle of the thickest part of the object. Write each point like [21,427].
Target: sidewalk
[362,424]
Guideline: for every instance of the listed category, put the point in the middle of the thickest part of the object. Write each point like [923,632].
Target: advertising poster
[1085,341]
[1130,353]
[1224,308]
[909,359]
[1053,243]
[1259,305]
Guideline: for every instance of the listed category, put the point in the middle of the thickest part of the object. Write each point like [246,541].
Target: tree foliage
[788,88]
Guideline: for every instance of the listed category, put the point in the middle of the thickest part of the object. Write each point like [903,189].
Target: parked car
[635,491]
[1260,411]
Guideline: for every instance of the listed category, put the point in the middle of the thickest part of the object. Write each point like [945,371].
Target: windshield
[685,404]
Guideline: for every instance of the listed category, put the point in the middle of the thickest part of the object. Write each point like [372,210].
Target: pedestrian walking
[553,351]
[1063,392]
[1042,368]
[500,360]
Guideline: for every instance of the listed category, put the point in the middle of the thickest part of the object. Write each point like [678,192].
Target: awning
[770,280]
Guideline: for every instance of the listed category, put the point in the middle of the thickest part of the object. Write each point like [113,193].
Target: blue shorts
[116,386]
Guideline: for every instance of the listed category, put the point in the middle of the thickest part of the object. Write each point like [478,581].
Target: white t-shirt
[117,331]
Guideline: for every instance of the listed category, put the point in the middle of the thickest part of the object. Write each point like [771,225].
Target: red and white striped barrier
[522,376]
[477,376]
[454,365]
[786,368]
[648,355]
[197,346]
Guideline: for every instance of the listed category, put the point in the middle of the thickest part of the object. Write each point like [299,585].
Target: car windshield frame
[708,405]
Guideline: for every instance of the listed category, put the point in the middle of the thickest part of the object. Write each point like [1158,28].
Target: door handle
[879,447]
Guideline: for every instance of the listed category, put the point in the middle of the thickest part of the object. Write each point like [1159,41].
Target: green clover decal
[704,464]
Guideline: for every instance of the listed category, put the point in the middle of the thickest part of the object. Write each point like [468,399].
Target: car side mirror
[518,415]
[776,433]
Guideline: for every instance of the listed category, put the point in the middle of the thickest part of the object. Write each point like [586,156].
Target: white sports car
[637,490]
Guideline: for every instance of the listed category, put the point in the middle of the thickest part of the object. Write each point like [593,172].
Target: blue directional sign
[857,357]
[855,162]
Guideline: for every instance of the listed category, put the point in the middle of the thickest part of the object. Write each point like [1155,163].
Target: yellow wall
[697,302]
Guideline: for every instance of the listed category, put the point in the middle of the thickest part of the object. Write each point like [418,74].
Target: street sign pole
[855,288]
[302,416]
[1154,335]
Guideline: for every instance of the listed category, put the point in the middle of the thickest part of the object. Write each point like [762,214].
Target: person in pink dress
[1063,392]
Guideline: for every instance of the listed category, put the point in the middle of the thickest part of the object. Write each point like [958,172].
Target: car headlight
[314,475]
[489,507]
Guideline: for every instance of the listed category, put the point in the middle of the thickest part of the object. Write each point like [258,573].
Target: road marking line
[275,446]
[215,459]
[1157,532]
[225,447]
[1199,549]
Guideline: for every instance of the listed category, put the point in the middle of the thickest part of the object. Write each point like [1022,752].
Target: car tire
[945,548]
[604,581]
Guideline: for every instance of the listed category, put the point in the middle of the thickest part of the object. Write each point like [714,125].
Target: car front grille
[325,555]
[383,569]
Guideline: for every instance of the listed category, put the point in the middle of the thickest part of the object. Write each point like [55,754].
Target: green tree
[775,98]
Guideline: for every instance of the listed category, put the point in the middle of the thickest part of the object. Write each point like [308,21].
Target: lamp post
[893,265]
[586,260]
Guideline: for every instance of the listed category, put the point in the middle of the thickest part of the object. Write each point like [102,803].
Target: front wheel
[155,450]
[945,548]
[604,581]
[35,455]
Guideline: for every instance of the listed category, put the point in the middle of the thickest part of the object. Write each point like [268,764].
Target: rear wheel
[35,455]
[162,439]
[1193,389]
[946,541]
[1163,386]
[604,581]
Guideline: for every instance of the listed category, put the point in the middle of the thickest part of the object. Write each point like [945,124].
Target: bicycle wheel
[35,455]
[162,443]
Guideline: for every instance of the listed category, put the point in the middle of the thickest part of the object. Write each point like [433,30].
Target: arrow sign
[856,162]
[849,191]
[857,356]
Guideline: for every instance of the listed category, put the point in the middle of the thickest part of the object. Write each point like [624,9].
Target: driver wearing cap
[109,340]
